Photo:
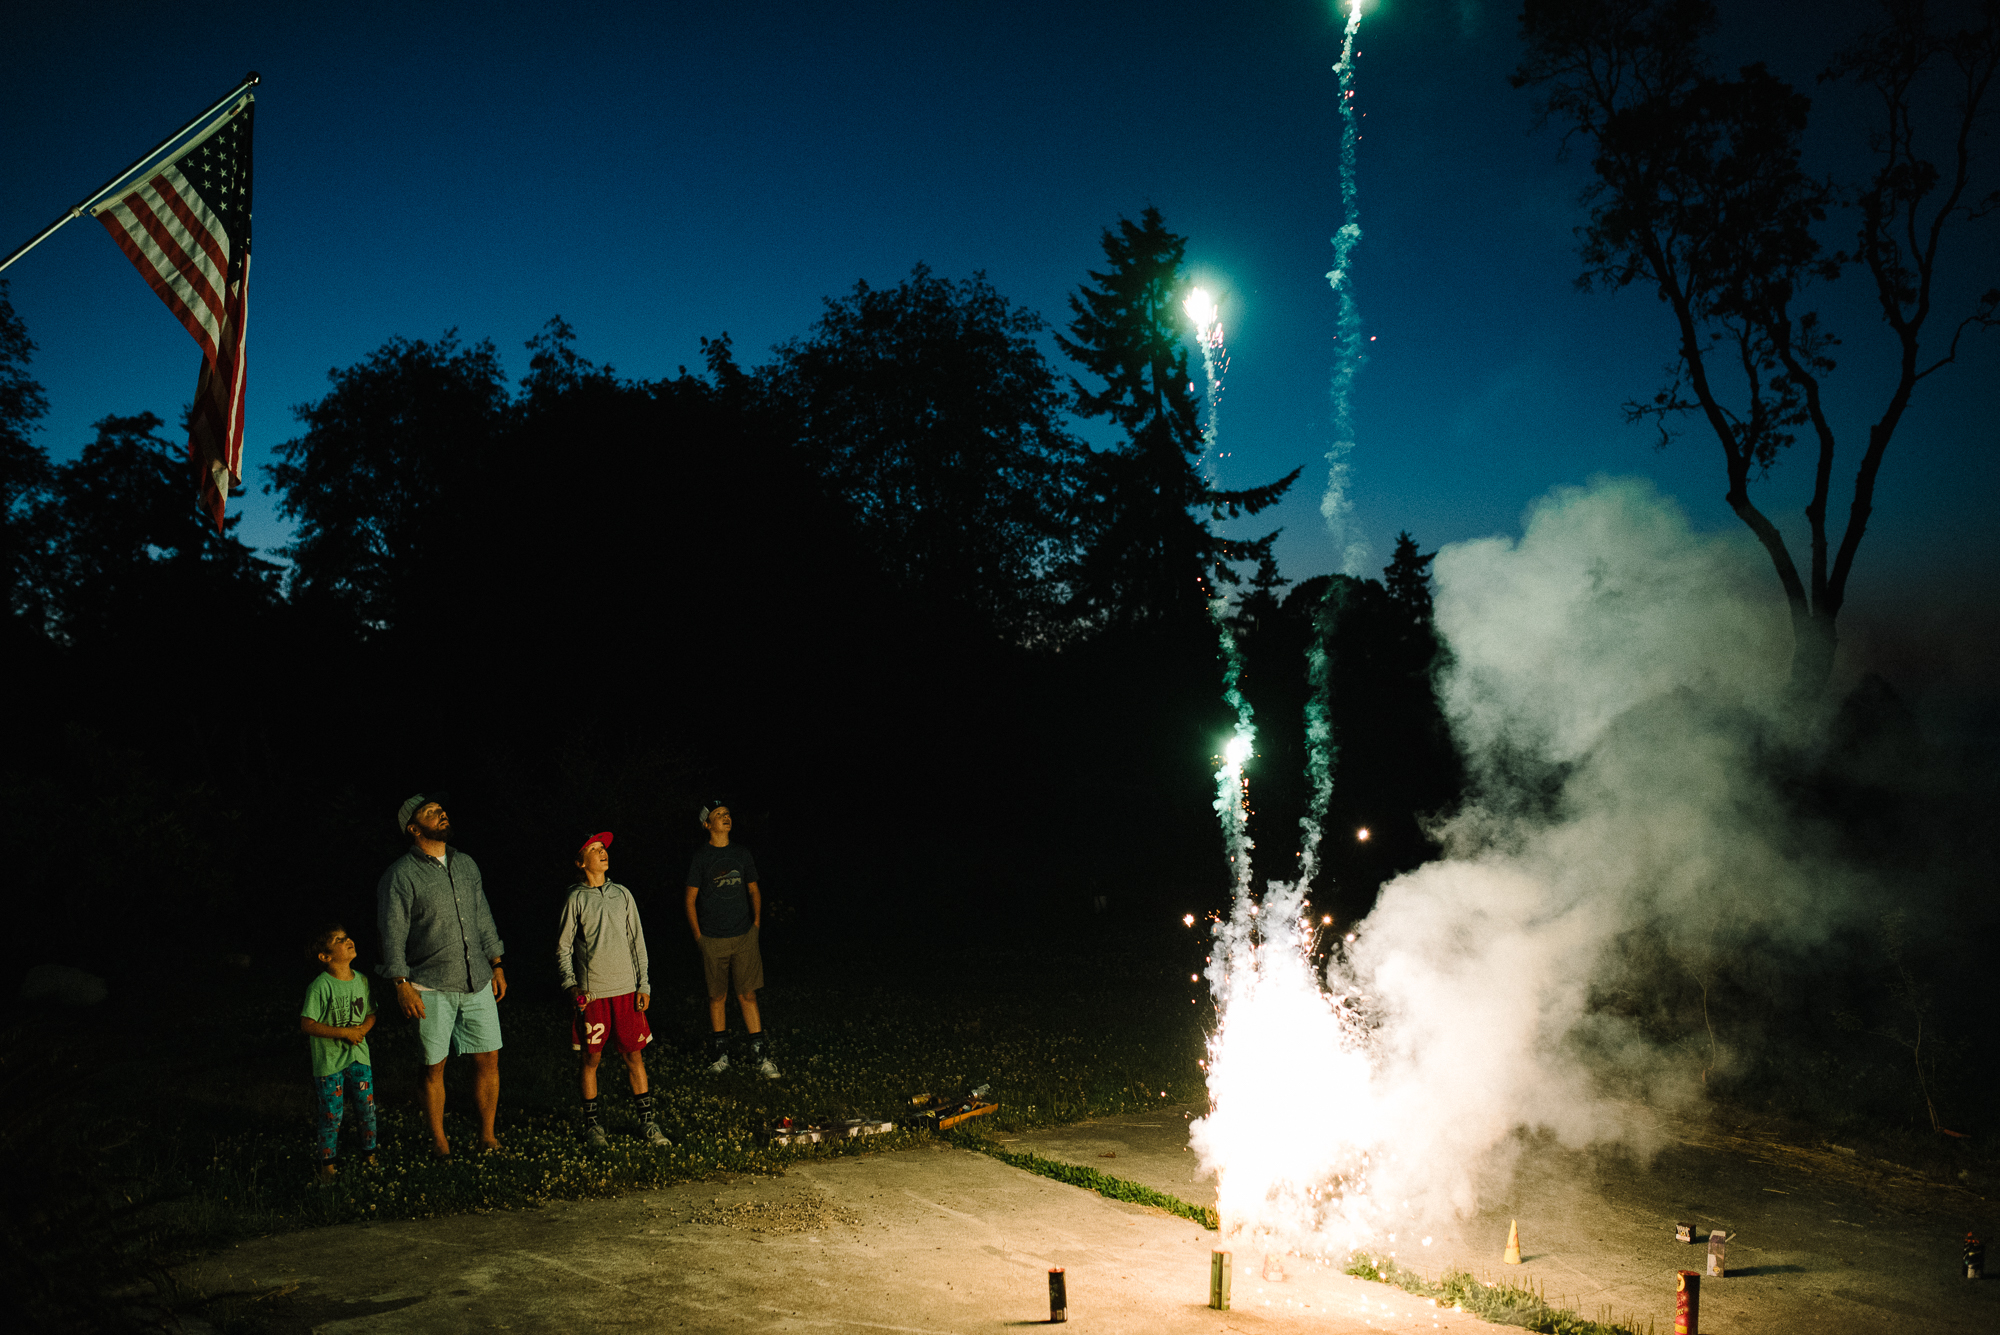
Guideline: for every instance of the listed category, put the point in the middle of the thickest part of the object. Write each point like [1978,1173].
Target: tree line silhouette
[952,666]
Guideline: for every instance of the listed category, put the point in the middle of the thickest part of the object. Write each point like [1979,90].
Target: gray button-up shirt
[436,929]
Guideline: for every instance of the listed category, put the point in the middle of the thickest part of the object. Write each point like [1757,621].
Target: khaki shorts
[732,964]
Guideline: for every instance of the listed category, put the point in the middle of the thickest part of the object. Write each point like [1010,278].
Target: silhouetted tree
[1407,578]
[24,472]
[1394,764]
[1261,600]
[1700,192]
[379,483]
[556,368]
[131,561]
[931,412]
[1144,511]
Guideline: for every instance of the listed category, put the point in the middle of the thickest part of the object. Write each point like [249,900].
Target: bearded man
[438,945]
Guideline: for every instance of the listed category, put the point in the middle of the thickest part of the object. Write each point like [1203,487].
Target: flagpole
[250,80]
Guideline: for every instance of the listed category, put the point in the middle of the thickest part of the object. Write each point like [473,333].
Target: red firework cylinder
[1687,1303]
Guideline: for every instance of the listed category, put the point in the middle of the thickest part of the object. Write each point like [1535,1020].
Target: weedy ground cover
[1104,1184]
[1494,1300]
[215,1134]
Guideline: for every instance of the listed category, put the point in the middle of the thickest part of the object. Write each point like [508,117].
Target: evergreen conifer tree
[1407,578]
[1148,553]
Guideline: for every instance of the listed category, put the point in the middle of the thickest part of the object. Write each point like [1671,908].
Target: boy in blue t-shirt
[336,1017]
[725,909]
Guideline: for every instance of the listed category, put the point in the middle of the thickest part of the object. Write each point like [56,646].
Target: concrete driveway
[927,1240]
[940,1239]
[1823,1239]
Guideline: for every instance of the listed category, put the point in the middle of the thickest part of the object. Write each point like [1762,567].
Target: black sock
[590,1112]
[757,1045]
[644,1103]
[719,1042]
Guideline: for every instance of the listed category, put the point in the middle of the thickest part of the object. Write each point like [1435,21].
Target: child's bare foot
[490,1145]
[326,1173]
[441,1149]
[367,1161]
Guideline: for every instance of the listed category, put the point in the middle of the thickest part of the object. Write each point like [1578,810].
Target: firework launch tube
[1058,1300]
[1687,1303]
[1218,1280]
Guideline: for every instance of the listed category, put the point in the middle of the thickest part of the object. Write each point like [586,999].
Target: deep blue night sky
[654,173]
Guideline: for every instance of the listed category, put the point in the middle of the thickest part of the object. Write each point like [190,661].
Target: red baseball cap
[601,837]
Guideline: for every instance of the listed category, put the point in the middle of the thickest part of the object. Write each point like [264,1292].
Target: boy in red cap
[601,951]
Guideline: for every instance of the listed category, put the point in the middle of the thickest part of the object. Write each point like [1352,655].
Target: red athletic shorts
[612,1020]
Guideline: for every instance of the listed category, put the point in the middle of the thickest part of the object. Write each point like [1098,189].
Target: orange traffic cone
[1513,1254]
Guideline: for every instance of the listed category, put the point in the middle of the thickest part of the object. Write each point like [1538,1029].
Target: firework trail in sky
[1230,786]
[1334,505]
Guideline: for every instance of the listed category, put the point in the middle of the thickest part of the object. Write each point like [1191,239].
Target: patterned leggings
[332,1091]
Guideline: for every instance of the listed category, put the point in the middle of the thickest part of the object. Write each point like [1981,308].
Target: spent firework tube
[1058,1300]
[1687,1302]
[1716,1253]
[1218,1280]
[1683,1232]
[1975,1257]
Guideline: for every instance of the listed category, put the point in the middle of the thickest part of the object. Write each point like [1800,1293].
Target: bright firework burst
[1293,1119]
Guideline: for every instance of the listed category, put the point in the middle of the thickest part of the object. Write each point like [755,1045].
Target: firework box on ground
[941,1112]
[795,1131]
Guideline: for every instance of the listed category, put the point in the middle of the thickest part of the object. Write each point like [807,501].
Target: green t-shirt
[338,1003]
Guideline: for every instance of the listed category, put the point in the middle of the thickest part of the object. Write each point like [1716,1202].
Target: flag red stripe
[239,322]
[186,261]
[215,426]
[187,266]
[192,305]
[200,223]
[149,271]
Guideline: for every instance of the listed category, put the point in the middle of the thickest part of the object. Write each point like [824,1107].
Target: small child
[336,1017]
[601,954]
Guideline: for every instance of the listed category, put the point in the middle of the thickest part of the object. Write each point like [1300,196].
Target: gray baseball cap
[411,806]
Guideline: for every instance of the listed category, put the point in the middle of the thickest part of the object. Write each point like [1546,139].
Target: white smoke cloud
[1616,685]
[1607,600]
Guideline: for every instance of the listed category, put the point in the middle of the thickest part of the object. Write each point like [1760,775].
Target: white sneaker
[719,1065]
[593,1136]
[655,1136]
[768,1069]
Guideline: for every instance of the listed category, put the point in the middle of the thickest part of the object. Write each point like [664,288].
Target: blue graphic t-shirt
[722,877]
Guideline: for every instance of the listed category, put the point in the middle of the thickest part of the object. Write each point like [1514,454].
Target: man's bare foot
[491,1145]
[441,1149]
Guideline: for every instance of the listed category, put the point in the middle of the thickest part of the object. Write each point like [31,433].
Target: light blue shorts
[456,1023]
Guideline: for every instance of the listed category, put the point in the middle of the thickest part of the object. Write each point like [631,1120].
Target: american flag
[186,228]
